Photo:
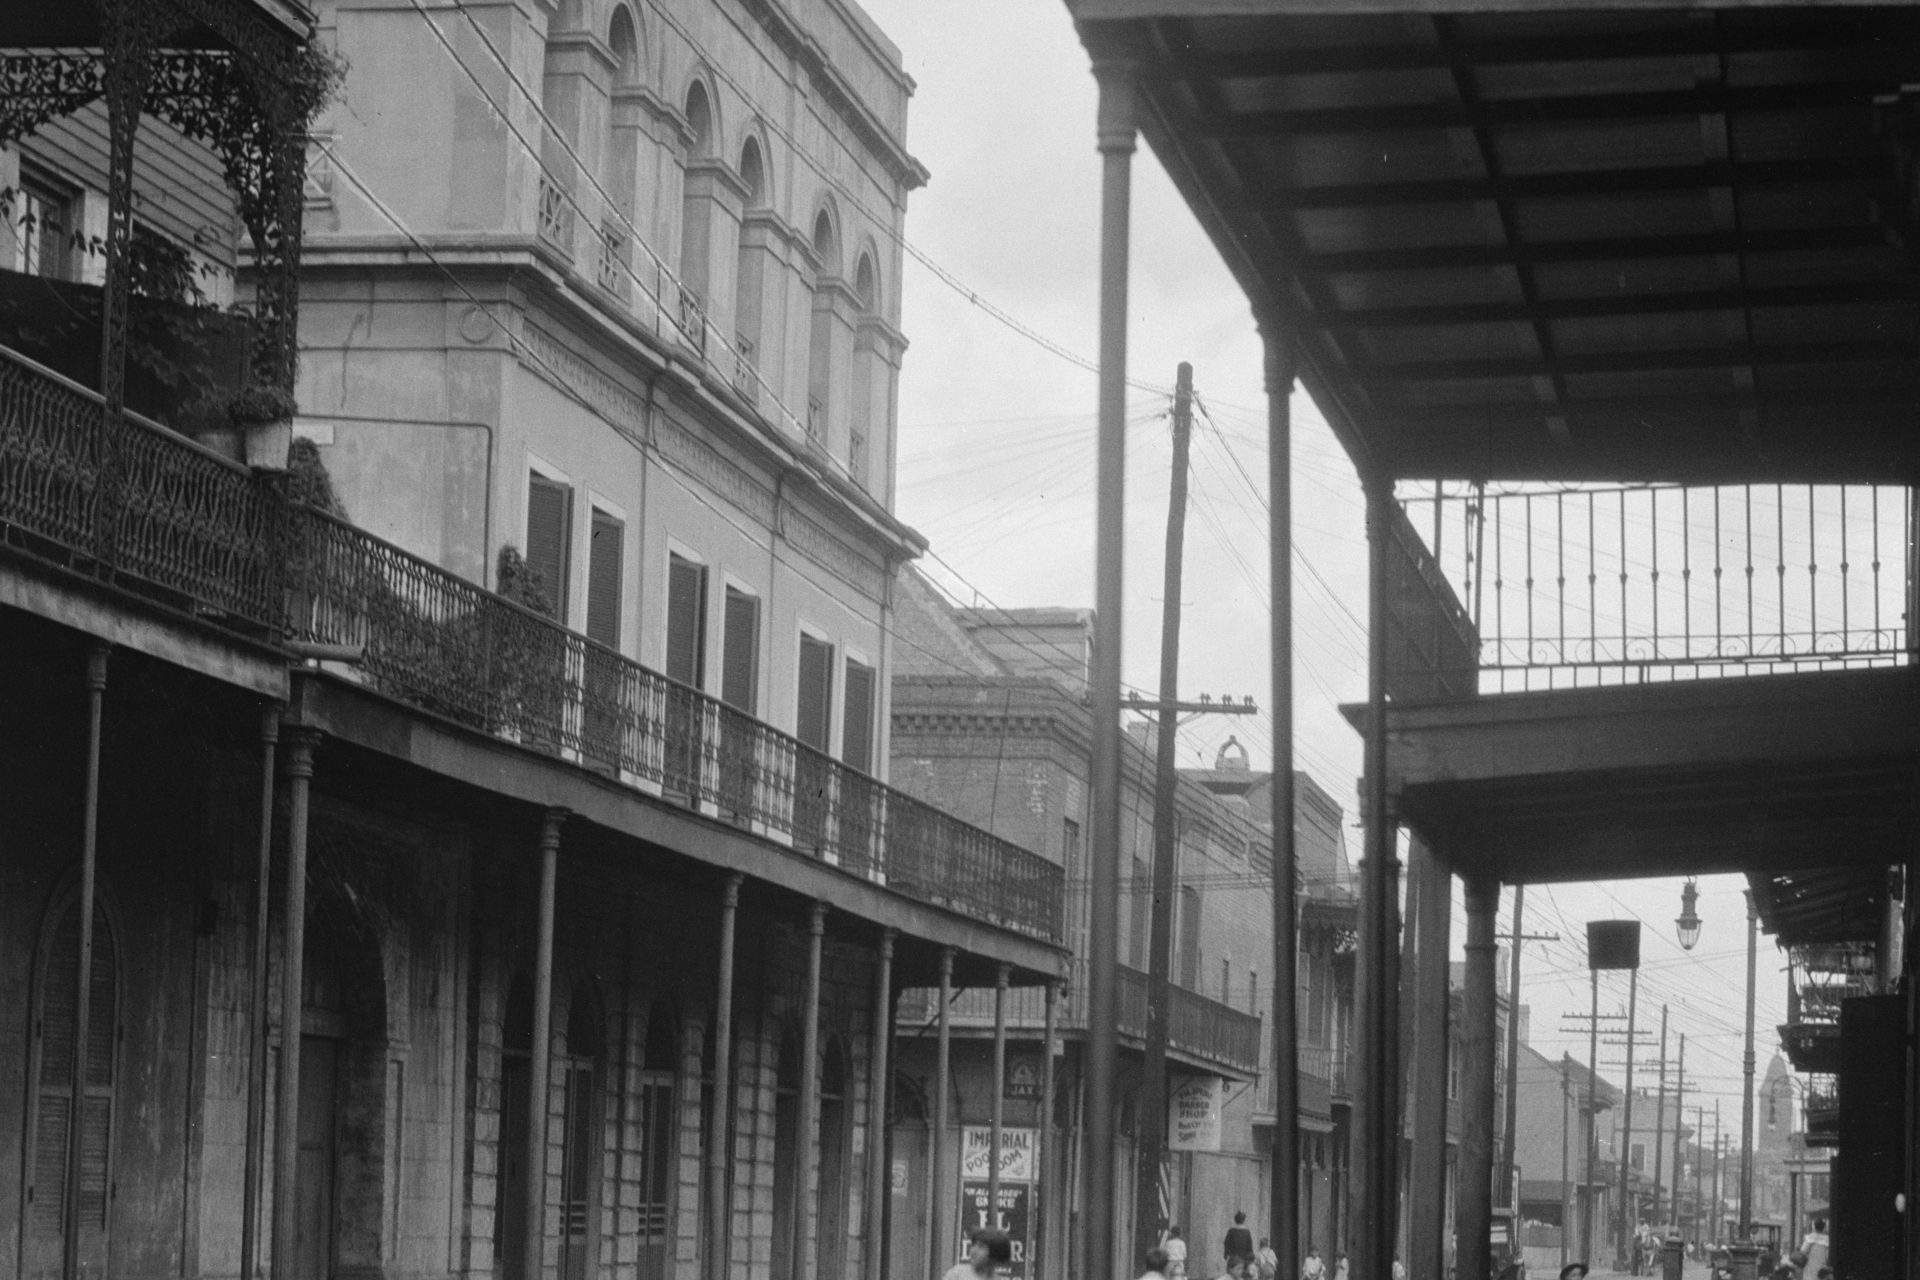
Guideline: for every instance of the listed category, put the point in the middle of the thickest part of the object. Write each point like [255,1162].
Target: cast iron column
[1473,1197]
[540,1056]
[717,1152]
[1116,141]
[96,686]
[997,1108]
[809,1078]
[942,1086]
[257,1014]
[1430,893]
[1043,1158]
[1284,1210]
[879,1091]
[293,943]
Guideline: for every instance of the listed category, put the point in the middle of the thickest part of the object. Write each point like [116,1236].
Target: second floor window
[549,537]
[45,228]
[856,745]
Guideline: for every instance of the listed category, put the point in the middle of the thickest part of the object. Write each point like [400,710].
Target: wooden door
[509,1214]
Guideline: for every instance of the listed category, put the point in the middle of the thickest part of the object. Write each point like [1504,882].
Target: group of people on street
[1243,1260]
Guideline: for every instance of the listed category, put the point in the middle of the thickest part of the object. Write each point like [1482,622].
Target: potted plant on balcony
[263,415]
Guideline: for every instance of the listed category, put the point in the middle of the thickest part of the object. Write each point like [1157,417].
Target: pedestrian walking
[985,1250]
[1266,1261]
[1239,1242]
[1156,1261]
[1176,1254]
[1313,1268]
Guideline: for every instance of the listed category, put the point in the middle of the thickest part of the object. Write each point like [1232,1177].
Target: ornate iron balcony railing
[1197,1025]
[156,514]
[1597,585]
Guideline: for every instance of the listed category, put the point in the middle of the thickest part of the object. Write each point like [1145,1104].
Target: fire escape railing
[152,513]
[1568,586]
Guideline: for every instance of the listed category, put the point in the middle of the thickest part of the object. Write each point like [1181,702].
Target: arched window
[56,1037]
[622,157]
[625,45]
[869,376]
[580,1136]
[826,253]
[696,223]
[788,1170]
[749,276]
[836,1154]
[659,1066]
[866,286]
[560,92]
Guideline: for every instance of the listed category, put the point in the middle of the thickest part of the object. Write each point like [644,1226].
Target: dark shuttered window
[740,673]
[686,621]
[814,723]
[856,734]
[603,579]
[549,529]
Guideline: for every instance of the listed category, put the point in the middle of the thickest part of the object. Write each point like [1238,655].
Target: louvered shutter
[549,520]
[740,664]
[53,1104]
[814,722]
[856,733]
[603,580]
[686,620]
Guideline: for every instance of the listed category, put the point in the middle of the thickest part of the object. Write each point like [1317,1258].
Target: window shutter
[814,721]
[603,580]
[686,620]
[58,1024]
[739,677]
[856,734]
[549,519]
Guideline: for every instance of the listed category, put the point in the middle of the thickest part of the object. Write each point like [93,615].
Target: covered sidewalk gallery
[1613,308]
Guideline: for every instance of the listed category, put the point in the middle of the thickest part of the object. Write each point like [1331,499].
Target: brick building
[989,724]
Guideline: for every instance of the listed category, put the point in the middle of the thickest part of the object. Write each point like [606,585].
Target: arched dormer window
[696,223]
[870,380]
[826,254]
[749,276]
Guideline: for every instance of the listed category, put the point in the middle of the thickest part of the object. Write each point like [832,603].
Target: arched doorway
[580,1141]
[788,1178]
[55,1039]
[323,1030]
[516,1052]
[836,1151]
[657,1069]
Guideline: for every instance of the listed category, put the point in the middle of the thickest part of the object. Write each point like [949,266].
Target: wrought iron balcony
[154,514]
[1534,588]
[1203,1030]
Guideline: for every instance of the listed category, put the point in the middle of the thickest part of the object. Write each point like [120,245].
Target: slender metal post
[1429,893]
[1473,1195]
[879,1090]
[996,1113]
[1593,1118]
[1116,130]
[1506,1191]
[1044,1160]
[1284,1211]
[1376,1147]
[540,1060]
[809,1074]
[286,1121]
[1166,831]
[1746,1090]
[1625,1145]
[257,1012]
[938,1252]
[1566,1196]
[96,686]
[717,1152]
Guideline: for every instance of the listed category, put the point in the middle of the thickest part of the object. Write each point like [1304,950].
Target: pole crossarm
[1226,706]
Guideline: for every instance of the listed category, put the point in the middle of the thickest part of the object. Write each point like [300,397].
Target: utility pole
[1699,1159]
[1148,1225]
[1660,1120]
[1153,1086]
[1719,1193]
[1593,1112]
[1625,1146]
[1566,1105]
[1513,1044]
[1746,1091]
[1679,1112]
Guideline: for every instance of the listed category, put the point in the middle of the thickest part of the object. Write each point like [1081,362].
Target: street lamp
[1688,923]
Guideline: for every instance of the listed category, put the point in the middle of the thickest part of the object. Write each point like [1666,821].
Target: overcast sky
[996,462]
